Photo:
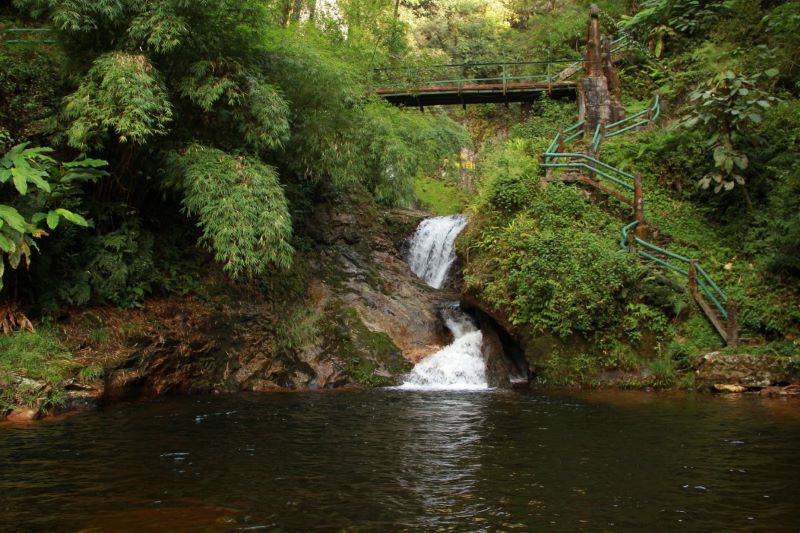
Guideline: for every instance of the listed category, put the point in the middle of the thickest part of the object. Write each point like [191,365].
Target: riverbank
[352,314]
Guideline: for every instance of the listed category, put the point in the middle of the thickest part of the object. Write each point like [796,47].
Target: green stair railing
[651,114]
[14,33]
[701,285]
[704,282]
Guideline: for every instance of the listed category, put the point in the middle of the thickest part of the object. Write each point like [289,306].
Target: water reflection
[440,454]
[389,460]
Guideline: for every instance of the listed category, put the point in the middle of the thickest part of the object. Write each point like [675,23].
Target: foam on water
[458,366]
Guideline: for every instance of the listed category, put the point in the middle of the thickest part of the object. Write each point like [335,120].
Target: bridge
[477,83]
[484,83]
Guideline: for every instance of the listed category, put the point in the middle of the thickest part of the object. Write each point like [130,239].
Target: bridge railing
[501,74]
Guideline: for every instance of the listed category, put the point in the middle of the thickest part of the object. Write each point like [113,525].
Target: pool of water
[388,460]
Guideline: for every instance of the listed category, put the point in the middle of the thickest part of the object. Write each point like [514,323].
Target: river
[387,460]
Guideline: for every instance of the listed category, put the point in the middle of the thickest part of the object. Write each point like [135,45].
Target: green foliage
[39,181]
[663,372]
[511,177]
[728,107]
[121,269]
[31,368]
[122,93]
[30,98]
[657,20]
[548,270]
[438,196]
[240,206]
[91,372]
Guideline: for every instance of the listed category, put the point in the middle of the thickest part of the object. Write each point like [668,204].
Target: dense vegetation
[721,178]
[140,133]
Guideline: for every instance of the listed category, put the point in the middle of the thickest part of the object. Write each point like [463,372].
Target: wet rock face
[748,371]
[360,316]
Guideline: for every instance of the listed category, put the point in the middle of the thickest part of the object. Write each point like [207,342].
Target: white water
[461,365]
[432,249]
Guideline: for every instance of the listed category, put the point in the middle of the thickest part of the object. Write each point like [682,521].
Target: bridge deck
[480,93]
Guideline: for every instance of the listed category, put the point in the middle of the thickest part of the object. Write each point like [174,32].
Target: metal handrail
[24,31]
[578,155]
[706,285]
[576,165]
[653,113]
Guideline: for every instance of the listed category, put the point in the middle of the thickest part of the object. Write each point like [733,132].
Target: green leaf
[86,163]
[19,181]
[38,217]
[52,220]
[771,73]
[72,217]
[12,218]
[6,245]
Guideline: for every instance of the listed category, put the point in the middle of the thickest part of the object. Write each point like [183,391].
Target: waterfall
[460,365]
[432,249]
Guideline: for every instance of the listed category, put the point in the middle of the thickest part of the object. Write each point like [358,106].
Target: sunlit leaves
[122,94]
[19,223]
[240,207]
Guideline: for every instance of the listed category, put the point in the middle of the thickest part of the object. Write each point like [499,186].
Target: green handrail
[591,159]
[705,283]
[653,111]
[576,165]
[597,138]
[23,31]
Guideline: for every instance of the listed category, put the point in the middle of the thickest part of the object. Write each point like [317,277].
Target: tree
[727,107]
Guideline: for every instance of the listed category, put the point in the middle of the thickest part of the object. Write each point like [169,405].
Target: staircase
[586,167]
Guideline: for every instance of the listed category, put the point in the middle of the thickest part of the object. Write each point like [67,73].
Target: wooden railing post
[731,326]
[631,242]
[638,206]
[693,277]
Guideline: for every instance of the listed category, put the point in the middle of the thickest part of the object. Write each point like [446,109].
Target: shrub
[38,357]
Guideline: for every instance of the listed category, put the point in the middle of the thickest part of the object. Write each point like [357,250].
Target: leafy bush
[39,357]
[548,269]
[122,93]
[240,206]
[38,181]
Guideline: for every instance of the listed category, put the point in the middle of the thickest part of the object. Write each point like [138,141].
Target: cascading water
[432,249]
[461,365]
